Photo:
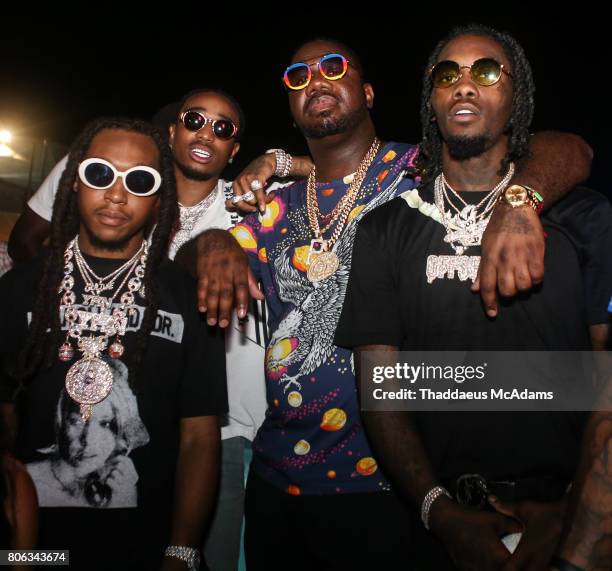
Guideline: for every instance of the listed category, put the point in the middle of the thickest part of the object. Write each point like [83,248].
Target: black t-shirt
[107,486]
[390,302]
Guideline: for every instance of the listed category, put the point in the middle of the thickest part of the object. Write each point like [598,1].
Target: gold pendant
[323,266]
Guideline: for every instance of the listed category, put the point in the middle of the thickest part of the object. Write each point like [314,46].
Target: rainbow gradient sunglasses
[331,66]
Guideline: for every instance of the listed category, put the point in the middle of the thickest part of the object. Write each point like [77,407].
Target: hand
[224,277]
[173,564]
[260,169]
[512,258]
[542,524]
[472,538]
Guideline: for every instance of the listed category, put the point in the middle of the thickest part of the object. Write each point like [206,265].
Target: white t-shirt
[245,345]
[42,200]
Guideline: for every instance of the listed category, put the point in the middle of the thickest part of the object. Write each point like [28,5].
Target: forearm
[557,162]
[587,538]
[300,166]
[397,443]
[197,478]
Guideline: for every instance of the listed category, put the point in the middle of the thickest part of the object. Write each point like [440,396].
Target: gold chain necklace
[322,261]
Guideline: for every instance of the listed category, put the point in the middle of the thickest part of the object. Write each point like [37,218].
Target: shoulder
[583,208]
[386,218]
[23,275]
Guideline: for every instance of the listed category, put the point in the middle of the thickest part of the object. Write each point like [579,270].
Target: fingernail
[223,323]
[202,309]
[211,321]
[493,499]
[491,312]
[242,311]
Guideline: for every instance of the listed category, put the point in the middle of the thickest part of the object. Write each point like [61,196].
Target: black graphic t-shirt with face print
[106,486]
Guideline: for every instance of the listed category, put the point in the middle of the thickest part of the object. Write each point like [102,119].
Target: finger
[476,284]
[202,293]
[535,265]
[254,290]
[212,301]
[504,508]
[522,278]
[226,304]
[506,283]
[504,524]
[262,200]
[488,286]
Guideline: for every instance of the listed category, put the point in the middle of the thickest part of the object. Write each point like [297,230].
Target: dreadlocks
[44,335]
[517,128]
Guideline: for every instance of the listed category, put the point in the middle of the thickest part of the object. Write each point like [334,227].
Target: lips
[321,101]
[200,153]
[111,217]
[464,112]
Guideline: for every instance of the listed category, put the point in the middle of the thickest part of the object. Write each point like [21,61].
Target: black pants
[344,531]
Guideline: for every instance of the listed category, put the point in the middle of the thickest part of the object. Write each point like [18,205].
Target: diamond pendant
[65,352]
[88,382]
[116,350]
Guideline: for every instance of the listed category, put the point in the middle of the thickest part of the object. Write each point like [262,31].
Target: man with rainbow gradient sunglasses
[316,496]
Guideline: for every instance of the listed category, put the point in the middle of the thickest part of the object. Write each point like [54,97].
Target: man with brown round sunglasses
[313,465]
[487,483]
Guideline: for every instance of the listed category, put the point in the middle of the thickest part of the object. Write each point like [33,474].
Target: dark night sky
[56,74]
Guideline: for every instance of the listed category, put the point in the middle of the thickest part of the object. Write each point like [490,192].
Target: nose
[206,133]
[117,193]
[317,81]
[465,88]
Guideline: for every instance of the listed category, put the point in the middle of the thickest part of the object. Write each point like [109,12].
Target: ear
[75,186]
[368,91]
[171,132]
[235,150]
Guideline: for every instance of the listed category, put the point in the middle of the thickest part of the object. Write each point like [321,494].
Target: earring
[231,160]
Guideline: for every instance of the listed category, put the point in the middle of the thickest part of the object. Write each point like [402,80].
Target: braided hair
[45,335]
[429,162]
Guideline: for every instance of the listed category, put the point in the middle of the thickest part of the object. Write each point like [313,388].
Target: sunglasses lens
[193,120]
[486,71]
[445,73]
[297,76]
[223,129]
[333,66]
[139,181]
[99,175]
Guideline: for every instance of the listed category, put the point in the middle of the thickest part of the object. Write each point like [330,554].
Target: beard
[463,147]
[333,126]
[108,245]
[193,174]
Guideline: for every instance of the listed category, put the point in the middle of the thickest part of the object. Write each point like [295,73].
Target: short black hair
[232,100]
[346,50]
[523,103]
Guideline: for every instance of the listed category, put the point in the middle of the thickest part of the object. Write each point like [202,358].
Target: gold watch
[520,195]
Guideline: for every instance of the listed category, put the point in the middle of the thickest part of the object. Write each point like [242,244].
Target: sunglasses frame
[123,174]
[308,66]
[208,120]
[501,66]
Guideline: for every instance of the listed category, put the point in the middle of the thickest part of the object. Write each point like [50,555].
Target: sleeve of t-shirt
[370,314]
[42,200]
[587,216]
[204,384]
[246,233]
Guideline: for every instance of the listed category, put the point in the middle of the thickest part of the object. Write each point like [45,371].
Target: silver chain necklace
[189,216]
[90,379]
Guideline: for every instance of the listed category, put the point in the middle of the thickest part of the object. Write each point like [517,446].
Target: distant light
[5,151]
[5,136]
